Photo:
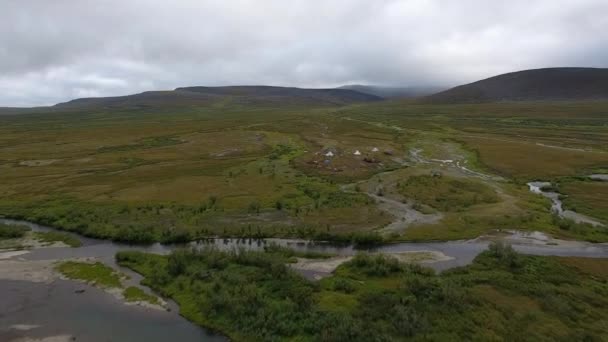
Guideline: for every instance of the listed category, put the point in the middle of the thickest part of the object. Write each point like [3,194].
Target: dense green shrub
[254,296]
[12,231]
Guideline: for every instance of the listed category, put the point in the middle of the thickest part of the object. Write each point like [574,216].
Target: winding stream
[93,315]
[557,207]
[462,252]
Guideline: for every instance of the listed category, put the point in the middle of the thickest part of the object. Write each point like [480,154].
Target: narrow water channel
[557,205]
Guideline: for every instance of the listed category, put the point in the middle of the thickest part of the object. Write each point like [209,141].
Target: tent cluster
[326,158]
[331,153]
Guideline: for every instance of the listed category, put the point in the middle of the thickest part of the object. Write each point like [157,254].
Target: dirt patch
[323,266]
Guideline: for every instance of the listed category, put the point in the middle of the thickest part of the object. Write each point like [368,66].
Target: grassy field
[253,296]
[586,197]
[446,194]
[143,175]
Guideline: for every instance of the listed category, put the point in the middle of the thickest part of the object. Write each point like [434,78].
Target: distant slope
[393,92]
[285,94]
[145,99]
[240,95]
[551,84]
[14,110]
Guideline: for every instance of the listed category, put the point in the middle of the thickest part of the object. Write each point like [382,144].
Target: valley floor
[531,175]
[364,173]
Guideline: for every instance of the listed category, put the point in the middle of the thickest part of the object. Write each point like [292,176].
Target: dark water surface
[93,315]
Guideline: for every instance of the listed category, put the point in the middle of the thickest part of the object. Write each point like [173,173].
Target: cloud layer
[52,51]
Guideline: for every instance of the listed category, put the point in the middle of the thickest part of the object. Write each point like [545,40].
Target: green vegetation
[586,197]
[228,170]
[579,230]
[8,231]
[51,237]
[96,273]
[135,294]
[145,143]
[105,277]
[446,193]
[502,296]
[176,173]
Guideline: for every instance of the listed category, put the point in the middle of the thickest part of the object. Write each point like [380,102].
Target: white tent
[357,153]
[329,154]
[375,149]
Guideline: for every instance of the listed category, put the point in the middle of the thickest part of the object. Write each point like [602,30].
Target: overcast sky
[52,51]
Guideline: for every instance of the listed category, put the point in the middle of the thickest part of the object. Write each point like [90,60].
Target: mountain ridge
[200,95]
[545,84]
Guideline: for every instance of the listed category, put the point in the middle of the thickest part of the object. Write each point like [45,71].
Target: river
[97,316]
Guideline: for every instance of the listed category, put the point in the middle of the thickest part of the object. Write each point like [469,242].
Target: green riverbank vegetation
[502,295]
[12,231]
[51,237]
[104,277]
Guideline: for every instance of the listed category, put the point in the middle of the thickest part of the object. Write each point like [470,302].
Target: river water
[462,252]
[93,315]
[97,316]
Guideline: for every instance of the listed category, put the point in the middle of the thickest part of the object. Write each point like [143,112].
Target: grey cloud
[52,51]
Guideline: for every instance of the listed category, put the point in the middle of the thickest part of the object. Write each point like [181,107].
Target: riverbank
[40,303]
[34,311]
[252,295]
[461,252]
[439,256]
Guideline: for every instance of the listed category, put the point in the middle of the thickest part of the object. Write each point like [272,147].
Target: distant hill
[145,99]
[243,95]
[393,92]
[550,84]
[13,110]
[331,95]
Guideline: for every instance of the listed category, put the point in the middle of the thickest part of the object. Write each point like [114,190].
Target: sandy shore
[43,271]
[320,268]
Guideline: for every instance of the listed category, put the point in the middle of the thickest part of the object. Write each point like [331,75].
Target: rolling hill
[550,84]
[243,95]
